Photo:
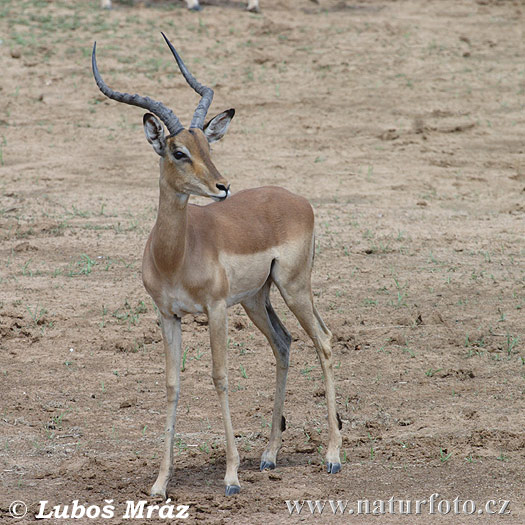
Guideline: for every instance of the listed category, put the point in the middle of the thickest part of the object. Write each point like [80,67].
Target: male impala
[207,258]
[193,5]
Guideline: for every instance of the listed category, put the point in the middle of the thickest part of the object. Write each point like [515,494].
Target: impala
[203,259]
[193,5]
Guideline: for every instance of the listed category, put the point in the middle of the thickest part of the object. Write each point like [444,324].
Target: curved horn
[157,108]
[206,93]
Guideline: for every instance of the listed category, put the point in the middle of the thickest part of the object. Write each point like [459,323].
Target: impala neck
[169,240]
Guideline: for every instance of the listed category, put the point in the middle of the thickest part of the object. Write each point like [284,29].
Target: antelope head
[185,164]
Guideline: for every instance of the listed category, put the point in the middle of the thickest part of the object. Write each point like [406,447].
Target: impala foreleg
[263,316]
[171,333]
[218,326]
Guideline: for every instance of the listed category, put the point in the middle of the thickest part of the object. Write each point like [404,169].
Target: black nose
[222,187]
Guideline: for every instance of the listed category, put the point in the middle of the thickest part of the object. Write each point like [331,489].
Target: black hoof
[232,489]
[196,8]
[333,468]
[267,465]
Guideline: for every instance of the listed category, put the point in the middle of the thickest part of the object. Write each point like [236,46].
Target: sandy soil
[401,121]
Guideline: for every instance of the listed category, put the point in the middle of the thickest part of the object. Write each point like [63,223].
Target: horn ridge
[205,92]
[157,108]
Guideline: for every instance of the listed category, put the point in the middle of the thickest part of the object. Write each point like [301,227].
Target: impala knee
[325,349]
[220,383]
[173,392]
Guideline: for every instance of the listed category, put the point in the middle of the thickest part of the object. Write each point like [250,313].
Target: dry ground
[403,123]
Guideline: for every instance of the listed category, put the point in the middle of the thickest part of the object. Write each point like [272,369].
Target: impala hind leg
[171,335]
[297,294]
[218,326]
[260,311]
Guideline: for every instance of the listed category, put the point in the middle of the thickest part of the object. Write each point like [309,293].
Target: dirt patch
[401,121]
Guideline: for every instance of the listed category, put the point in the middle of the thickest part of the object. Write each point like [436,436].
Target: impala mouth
[224,194]
[219,198]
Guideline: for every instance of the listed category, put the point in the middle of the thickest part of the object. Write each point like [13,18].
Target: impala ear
[217,127]
[154,133]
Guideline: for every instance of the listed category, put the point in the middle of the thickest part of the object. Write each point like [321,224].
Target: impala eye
[179,155]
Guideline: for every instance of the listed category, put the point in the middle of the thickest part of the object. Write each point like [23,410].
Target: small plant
[444,455]
[479,343]
[243,372]
[184,357]
[241,346]
[84,266]
[102,323]
[409,351]
[180,445]
[401,295]
[37,314]
[400,299]
[432,259]
[130,314]
[58,419]
[306,371]
[26,271]
[247,445]
[511,342]
[264,423]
